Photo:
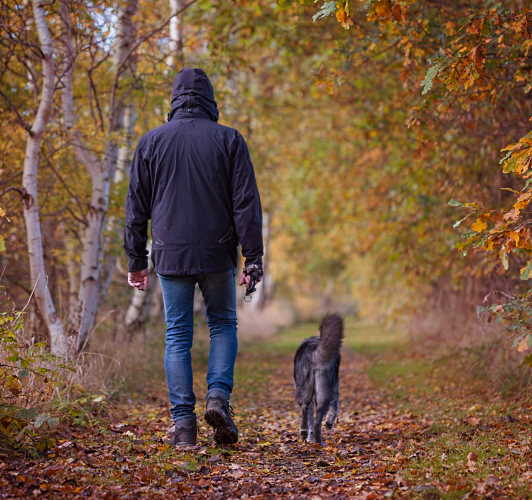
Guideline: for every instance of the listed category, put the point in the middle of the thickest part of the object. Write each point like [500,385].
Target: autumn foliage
[391,140]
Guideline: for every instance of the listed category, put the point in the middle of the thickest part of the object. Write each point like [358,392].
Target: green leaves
[432,72]
[526,271]
[455,203]
[326,9]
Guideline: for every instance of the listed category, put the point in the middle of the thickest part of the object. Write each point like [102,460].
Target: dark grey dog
[316,371]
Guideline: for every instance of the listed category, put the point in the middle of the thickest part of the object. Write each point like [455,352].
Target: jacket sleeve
[247,212]
[138,211]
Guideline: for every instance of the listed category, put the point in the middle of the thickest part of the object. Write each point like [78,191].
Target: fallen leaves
[370,455]
[472,461]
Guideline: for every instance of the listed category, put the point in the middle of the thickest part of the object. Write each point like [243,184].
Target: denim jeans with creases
[219,293]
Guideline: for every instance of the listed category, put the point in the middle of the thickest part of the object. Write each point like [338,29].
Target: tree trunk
[91,254]
[176,55]
[114,239]
[58,343]
[83,317]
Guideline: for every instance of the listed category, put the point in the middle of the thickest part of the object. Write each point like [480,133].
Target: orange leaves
[510,229]
[13,385]
[518,159]
[479,225]
[475,27]
[519,25]
[383,9]
[476,56]
[522,202]
[386,10]
[342,15]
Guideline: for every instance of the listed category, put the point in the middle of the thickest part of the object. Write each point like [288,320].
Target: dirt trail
[125,455]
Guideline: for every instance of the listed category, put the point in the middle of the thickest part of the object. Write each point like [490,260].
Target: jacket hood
[192,92]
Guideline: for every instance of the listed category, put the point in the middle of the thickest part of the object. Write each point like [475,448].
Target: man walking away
[194,179]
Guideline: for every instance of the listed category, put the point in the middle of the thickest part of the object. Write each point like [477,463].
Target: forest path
[376,450]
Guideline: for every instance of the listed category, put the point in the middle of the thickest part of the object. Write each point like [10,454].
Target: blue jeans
[219,293]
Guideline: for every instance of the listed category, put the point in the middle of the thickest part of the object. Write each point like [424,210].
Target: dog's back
[316,369]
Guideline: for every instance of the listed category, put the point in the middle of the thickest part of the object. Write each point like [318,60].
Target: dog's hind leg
[310,422]
[323,400]
[321,410]
[305,416]
[333,408]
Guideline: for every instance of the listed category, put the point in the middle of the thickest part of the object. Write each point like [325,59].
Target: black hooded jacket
[194,179]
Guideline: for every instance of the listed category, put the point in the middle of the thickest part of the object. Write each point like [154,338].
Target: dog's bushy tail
[331,335]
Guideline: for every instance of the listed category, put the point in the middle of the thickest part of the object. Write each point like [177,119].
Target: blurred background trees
[391,140]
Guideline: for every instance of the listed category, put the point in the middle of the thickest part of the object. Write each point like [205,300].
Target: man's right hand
[138,279]
[244,279]
[251,275]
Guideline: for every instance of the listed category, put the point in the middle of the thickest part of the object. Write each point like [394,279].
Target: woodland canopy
[391,141]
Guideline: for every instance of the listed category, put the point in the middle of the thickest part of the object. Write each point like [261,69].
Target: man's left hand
[138,279]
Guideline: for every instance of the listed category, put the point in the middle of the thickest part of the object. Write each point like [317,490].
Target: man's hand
[244,279]
[251,275]
[138,279]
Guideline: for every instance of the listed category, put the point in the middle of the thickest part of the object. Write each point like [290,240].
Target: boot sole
[222,430]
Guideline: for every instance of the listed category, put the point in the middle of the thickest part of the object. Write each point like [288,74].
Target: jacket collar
[183,113]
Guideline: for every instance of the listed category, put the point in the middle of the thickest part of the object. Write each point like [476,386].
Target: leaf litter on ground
[379,449]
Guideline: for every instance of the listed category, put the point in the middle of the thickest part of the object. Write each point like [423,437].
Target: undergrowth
[37,393]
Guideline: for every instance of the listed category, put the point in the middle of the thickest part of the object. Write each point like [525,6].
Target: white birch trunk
[126,37]
[113,238]
[91,253]
[58,342]
[175,55]
[101,171]
[136,313]
[72,273]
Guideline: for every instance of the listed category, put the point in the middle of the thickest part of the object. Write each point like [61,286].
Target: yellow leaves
[479,225]
[342,15]
[522,346]
[450,28]
[13,385]
[470,79]
[514,235]
[385,10]
[519,25]
[2,212]
[527,45]
[523,201]
[475,27]
[476,56]
[519,156]
[399,13]
[489,245]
